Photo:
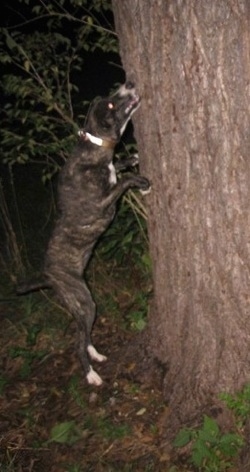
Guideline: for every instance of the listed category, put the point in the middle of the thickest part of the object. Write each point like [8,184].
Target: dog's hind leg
[86,317]
[76,297]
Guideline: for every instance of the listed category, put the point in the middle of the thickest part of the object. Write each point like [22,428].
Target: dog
[88,190]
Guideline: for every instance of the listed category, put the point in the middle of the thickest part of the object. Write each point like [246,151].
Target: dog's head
[108,117]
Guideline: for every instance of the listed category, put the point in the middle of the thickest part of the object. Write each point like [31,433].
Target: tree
[190,61]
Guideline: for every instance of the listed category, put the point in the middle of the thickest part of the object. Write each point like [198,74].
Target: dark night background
[101,70]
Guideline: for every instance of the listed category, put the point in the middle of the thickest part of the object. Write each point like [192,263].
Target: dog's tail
[23,288]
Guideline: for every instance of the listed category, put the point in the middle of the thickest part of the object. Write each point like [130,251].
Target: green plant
[66,432]
[42,56]
[74,468]
[239,403]
[126,239]
[74,390]
[137,317]
[211,450]
[110,430]
[28,357]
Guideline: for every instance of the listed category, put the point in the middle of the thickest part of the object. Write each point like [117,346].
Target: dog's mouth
[131,98]
[133,104]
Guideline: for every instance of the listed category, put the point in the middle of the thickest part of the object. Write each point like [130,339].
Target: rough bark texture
[191,63]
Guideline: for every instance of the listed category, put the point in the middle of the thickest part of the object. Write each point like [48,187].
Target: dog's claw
[145,192]
[93,378]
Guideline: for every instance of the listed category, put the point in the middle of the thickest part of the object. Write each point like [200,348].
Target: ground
[50,419]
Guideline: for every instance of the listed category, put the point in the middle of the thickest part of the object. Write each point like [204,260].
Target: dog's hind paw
[95,355]
[93,378]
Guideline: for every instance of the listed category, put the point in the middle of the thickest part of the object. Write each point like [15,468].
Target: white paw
[93,378]
[145,192]
[136,160]
[95,355]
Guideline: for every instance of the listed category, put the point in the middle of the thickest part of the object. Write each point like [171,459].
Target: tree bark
[190,61]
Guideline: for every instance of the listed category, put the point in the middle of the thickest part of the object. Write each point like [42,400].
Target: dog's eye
[111,106]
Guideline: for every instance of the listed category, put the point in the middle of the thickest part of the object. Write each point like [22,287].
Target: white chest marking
[112,174]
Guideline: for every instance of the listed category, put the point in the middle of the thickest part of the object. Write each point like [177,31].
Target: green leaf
[64,433]
[27,66]
[210,427]
[200,453]
[230,443]
[140,325]
[10,42]
[183,438]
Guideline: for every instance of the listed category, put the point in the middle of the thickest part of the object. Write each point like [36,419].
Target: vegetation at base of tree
[210,450]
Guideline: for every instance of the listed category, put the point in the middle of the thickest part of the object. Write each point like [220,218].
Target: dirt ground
[50,419]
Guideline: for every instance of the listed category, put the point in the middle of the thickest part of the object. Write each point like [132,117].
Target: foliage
[109,430]
[75,392]
[65,433]
[28,356]
[211,450]
[138,316]
[239,403]
[126,239]
[42,55]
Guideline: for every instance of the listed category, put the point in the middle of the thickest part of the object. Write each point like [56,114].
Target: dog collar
[106,143]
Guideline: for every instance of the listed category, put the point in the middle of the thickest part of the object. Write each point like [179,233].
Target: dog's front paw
[142,183]
[134,160]
[145,192]
[145,188]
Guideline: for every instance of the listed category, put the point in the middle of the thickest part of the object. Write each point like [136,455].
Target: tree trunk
[190,61]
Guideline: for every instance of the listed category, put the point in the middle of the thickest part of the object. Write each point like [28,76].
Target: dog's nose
[129,85]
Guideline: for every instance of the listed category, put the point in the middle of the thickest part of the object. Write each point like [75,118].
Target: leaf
[140,324]
[197,457]
[64,432]
[230,443]
[27,66]
[210,427]
[10,42]
[183,438]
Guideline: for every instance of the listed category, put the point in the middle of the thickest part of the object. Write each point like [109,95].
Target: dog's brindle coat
[88,191]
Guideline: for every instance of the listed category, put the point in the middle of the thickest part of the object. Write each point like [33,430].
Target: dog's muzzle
[128,90]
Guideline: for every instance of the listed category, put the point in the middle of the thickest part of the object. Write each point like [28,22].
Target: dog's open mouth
[133,104]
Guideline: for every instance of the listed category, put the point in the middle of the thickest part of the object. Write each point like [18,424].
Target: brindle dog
[88,191]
